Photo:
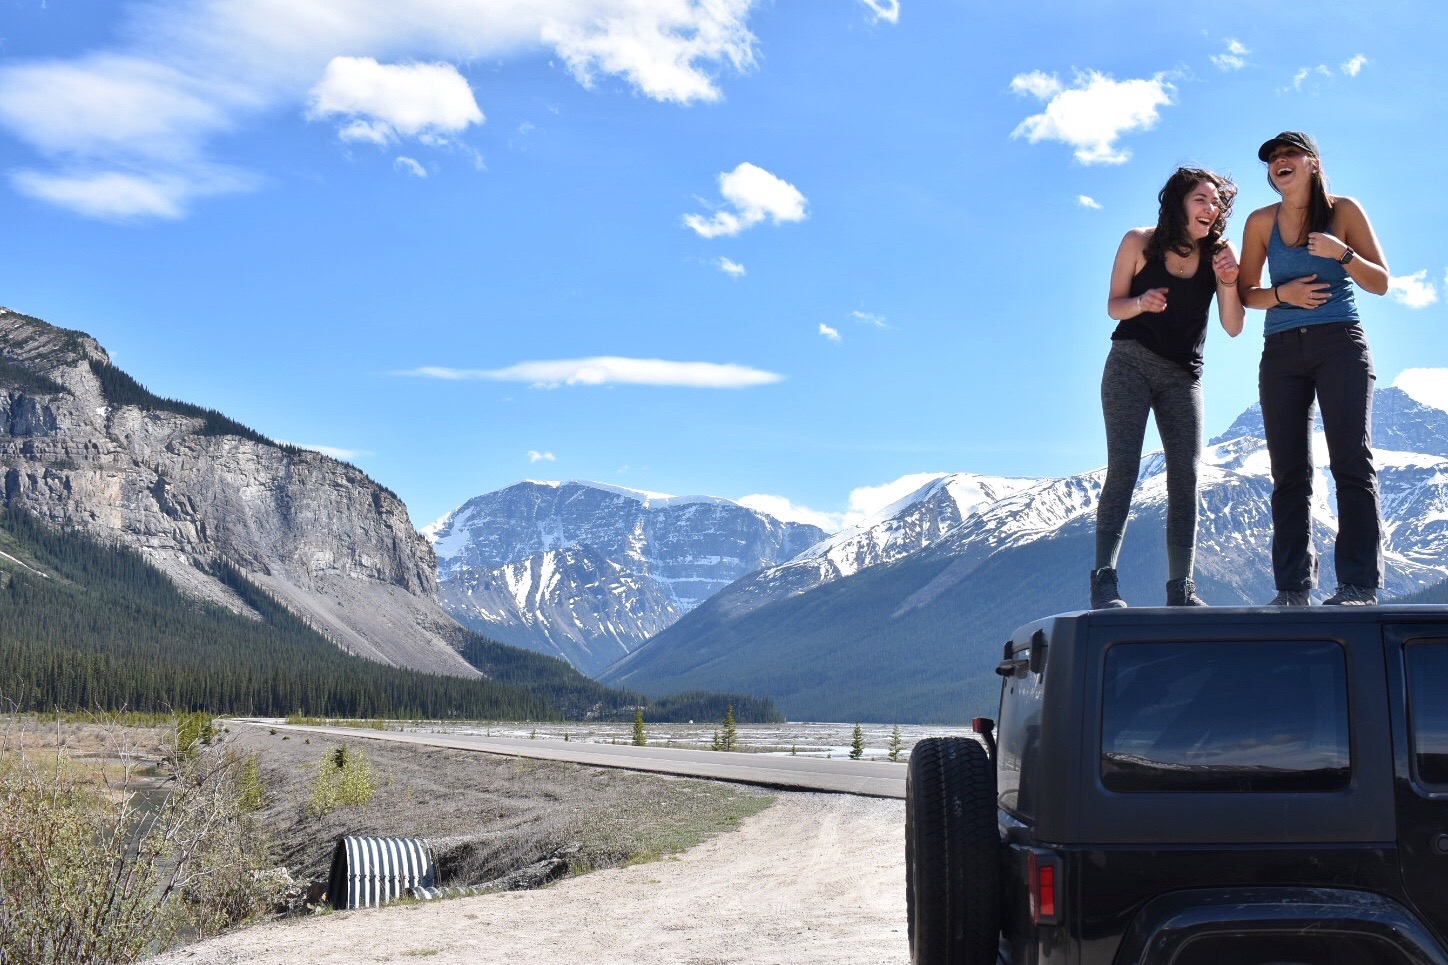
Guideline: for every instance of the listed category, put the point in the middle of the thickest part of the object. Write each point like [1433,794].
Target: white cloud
[1086,201]
[1303,75]
[121,196]
[187,71]
[1234,58]
[782,509]
[878,321]
[884,9]
[1414,290]
[535,456]
[833,334]
[347,455]
[384,101]
[1354,65]
[1093,113]
[410,165]
[1428,386]
[732,268]
[612,370]
[755,195]
[1038,84]
[868,500]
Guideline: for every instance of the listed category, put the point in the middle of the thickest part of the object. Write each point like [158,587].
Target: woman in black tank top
[1162,285]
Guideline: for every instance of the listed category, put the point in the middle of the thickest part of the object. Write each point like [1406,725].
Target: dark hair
[1171,219]
[1319,204]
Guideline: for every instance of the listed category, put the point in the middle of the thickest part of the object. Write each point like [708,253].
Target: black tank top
[1179,333]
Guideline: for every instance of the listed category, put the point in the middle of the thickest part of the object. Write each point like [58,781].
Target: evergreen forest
[89,626]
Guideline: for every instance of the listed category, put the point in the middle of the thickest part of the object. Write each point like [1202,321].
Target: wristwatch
[1347,255]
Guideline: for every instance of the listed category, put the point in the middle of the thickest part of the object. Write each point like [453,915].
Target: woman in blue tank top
[1316,247]
[1162,285]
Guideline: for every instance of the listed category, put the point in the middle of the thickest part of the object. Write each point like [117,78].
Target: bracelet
[1278,294]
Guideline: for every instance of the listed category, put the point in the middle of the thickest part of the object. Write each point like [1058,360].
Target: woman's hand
[1224,263]
[1304,292]
[1152,300]
[1324,245]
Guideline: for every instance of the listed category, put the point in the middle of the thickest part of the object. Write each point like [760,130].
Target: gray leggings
[1137,381]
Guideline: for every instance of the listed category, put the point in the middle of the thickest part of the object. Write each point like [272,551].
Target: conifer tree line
[107,631]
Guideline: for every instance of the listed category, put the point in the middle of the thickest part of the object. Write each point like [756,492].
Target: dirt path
[816,878]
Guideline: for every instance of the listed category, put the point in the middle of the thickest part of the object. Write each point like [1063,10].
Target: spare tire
[952,854]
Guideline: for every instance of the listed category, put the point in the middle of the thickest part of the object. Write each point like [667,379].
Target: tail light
[1043,876]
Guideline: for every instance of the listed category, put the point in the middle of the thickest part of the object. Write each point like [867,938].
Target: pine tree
[730,737]
[639,740]
[857,745]
[896,745]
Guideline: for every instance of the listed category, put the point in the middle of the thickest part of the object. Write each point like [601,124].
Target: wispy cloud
[535,456]
[346,455]
[382,102]
[884,9]
[875,321]
[1086,201]
[868,500]
[833,334]
[1354,65]
[1093,113]
[126,131]
[782,508]
[1414,291]
[752,195]
[612,370]
[1234,58]
[731,268]
[410,165]
[1301,78]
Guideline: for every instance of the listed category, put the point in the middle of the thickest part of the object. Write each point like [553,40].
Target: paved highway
[841,776]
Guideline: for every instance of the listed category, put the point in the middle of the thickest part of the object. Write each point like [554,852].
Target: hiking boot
[1104,594]
[1183,593]
[1350,594]
[1291,598]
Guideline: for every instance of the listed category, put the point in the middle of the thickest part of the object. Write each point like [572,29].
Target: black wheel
[952,854]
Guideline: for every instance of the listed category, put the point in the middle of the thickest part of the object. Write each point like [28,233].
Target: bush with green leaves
[345,777]
[102,873]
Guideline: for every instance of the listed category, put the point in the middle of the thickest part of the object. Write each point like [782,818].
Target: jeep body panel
[1169,875]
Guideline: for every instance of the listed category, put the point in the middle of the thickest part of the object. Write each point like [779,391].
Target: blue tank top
[1285,264]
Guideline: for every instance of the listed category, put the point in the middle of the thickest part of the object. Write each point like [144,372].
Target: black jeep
[1235,786]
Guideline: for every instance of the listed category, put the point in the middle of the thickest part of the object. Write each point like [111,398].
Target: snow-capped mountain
[910,633]
[588,571]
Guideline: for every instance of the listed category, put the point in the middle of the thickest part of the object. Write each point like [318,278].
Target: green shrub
[103,874]
[344,777]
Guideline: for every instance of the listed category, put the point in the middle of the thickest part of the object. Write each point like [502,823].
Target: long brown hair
[1319,202]
[1171,219]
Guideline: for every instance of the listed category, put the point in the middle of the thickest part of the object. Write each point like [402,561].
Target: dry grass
[488,815]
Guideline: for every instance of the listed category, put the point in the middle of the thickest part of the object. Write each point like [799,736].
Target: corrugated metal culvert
[367,872]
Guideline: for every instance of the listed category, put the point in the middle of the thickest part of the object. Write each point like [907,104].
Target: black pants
[1333,364]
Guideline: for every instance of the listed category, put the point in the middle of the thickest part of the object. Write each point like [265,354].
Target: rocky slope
[587,571]
[82,445]
[914,635]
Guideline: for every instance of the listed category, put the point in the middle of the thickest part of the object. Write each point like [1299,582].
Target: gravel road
[816,878]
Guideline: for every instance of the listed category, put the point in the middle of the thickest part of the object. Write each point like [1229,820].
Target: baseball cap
[1294,138]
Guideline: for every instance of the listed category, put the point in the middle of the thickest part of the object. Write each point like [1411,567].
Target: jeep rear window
[1265,716]
[1428,709]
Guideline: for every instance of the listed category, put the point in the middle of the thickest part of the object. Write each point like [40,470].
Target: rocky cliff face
[587,571]
[164,479]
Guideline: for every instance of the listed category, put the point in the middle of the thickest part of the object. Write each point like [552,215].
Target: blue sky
[794,249]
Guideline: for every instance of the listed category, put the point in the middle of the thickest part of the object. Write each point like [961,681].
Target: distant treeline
[121,389]
[107,631]
[18,378]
